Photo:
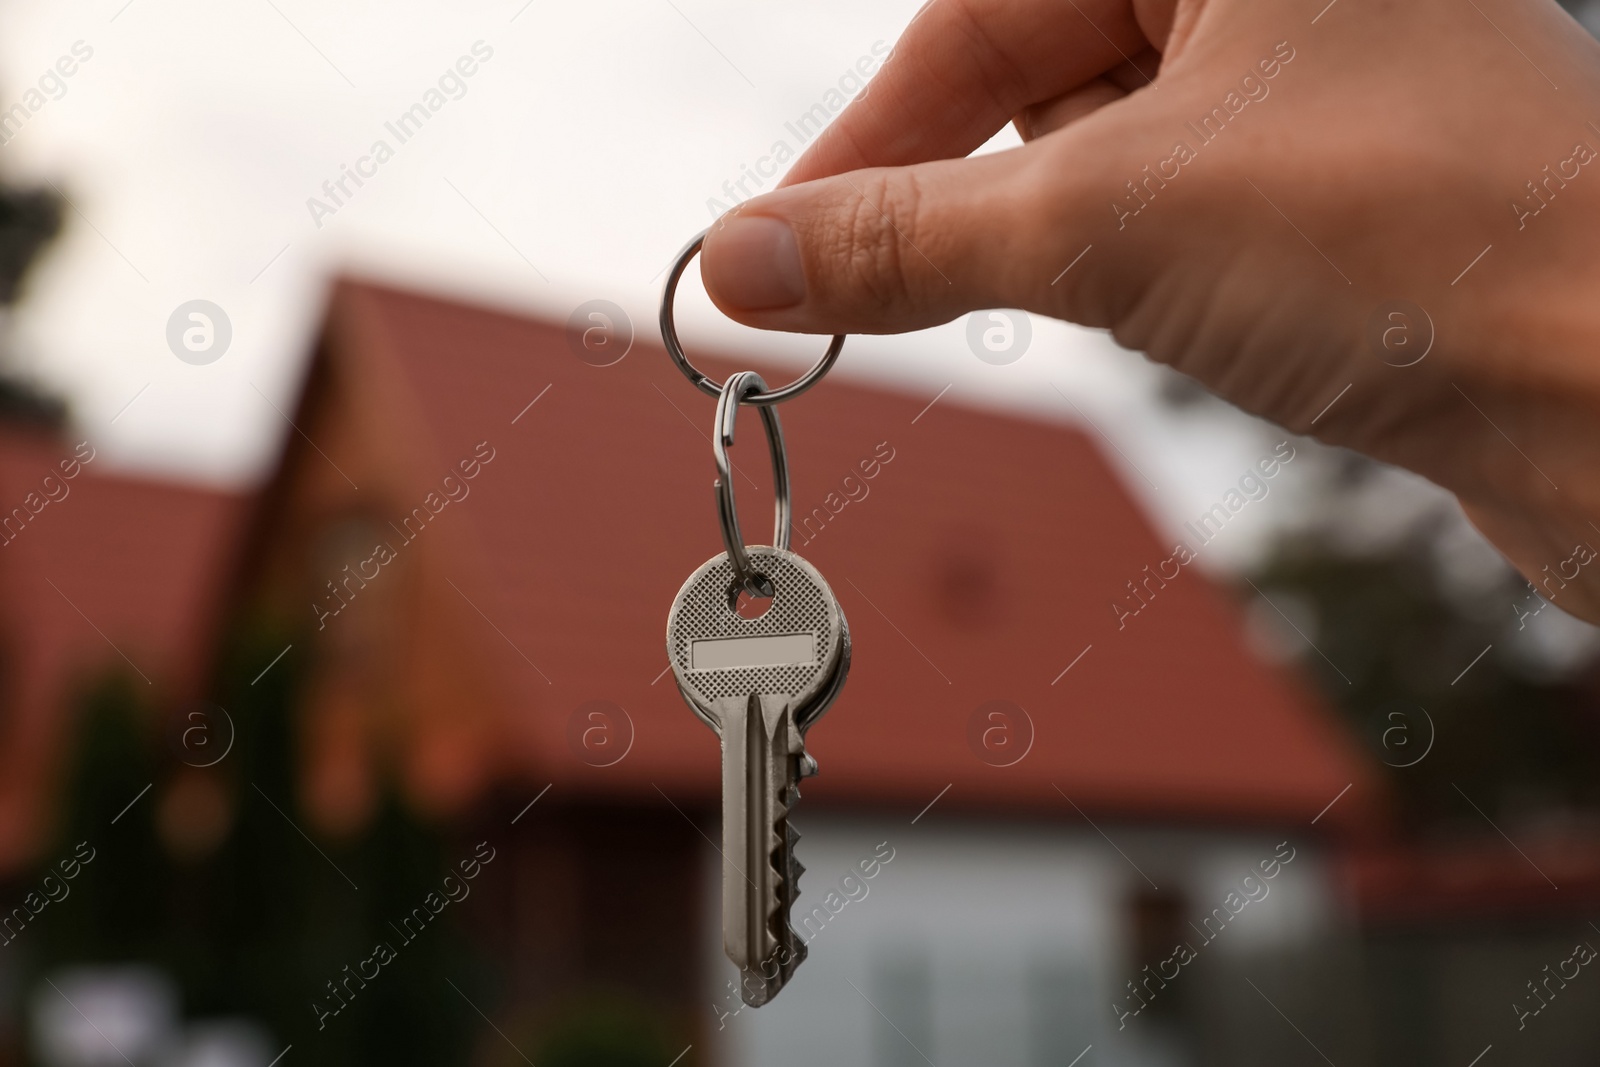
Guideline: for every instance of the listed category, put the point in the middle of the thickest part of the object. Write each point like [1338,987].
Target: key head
[798,649]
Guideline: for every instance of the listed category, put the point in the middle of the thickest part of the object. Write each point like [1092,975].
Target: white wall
[993,943]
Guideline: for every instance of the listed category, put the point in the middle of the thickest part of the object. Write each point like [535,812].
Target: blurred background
[344,490]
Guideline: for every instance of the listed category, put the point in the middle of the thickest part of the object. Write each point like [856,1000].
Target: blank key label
[733,652]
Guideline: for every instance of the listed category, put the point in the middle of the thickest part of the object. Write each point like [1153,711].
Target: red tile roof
[981,563]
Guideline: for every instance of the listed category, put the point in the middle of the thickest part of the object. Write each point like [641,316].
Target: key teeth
[779,846]
[789,888]
[788,872]
[756,988]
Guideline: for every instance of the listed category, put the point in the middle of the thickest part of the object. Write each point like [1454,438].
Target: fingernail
[752,263]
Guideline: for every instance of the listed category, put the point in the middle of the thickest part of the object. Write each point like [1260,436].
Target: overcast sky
[576,158]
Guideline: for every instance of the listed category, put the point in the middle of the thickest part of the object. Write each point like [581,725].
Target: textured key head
[799,648]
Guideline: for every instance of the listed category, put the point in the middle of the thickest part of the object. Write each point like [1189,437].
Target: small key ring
[708,385]
[738,387]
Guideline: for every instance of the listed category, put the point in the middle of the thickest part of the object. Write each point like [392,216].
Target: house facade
[1038,828]
[482,545]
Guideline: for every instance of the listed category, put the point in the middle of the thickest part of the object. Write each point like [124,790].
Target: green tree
[1396,630]
[257,922]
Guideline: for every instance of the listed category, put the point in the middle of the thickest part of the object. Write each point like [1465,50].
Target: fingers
[897,231]
[963,69]
[893,249]
[1038,119]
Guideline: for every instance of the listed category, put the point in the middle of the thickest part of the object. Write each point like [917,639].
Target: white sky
[584,151]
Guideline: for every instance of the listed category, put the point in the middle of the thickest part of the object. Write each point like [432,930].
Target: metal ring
[709,386]
[739,386]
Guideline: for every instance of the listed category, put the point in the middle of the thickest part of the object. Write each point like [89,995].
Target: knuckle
[880,228]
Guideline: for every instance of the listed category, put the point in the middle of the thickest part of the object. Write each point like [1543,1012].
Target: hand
[1236,187]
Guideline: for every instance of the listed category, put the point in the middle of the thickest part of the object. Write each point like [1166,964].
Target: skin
[1385,156]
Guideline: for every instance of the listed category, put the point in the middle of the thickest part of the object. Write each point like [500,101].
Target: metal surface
[760,874]
[727,417]
[802,602]
[781,650]
[759,682]
[707,385]
[761,710]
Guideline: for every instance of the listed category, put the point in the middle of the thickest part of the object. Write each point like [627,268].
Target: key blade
[750,843]
[760,747]
[754,772]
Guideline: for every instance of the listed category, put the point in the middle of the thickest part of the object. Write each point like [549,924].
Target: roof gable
[977,562]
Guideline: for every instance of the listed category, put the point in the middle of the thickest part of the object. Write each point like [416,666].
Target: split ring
[708,385]
[738,389]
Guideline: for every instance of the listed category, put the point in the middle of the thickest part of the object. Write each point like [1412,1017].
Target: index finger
[962,69]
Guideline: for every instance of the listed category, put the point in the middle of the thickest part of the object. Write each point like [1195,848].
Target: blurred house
[472,542]
[97,569]
[516,521]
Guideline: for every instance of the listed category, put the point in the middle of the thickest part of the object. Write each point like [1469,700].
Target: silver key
[760,684]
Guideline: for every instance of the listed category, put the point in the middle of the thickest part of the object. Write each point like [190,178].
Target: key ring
[738,387]
[709,386]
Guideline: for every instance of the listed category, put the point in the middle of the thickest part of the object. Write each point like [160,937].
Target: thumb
[888,250]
